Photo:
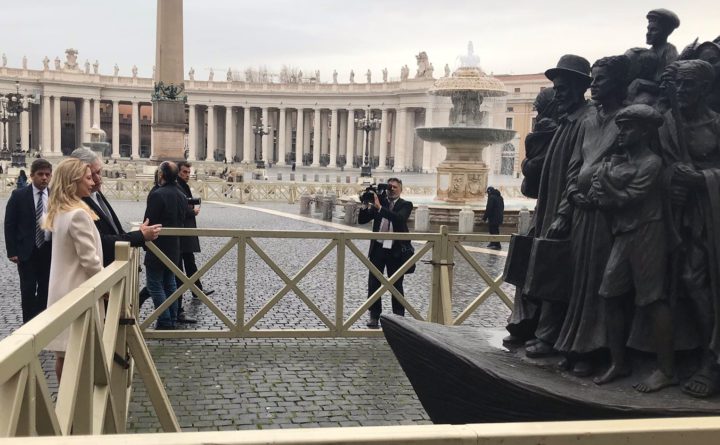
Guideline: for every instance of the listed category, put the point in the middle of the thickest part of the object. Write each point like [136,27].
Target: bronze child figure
[629,188]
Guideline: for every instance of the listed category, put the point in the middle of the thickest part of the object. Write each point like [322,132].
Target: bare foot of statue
[655,382]
[703,383]
[564,365]
[539,349]
[613,373]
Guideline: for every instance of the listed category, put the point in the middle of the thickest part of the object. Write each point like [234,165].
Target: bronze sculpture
[571,78]
[631,183]
[583,330]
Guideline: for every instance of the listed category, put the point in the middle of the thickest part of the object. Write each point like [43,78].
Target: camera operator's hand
[150,233]
[377,201]
[196,210]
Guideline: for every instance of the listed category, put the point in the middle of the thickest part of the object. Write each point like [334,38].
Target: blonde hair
[64,191]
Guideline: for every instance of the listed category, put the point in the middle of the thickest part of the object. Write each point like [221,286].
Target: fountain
[462,177]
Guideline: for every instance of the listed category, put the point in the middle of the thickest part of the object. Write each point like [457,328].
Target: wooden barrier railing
[104,347]
[218,190]
[441,247]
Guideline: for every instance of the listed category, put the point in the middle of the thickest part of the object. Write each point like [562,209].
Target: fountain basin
[479,137]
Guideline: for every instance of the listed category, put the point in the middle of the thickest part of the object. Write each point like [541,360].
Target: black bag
[406,252]
[518,258]
[550,270]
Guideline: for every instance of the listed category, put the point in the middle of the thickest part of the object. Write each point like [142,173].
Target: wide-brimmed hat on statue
[571,64]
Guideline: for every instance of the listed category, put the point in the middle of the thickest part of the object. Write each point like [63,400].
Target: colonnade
[311,136]
[45,120]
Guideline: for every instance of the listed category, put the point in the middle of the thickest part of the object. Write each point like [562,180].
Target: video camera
[193,201]
[368,196]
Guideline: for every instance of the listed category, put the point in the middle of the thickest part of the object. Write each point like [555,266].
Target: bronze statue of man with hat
[553,215]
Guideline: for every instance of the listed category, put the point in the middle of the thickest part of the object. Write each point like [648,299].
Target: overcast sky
[516,36]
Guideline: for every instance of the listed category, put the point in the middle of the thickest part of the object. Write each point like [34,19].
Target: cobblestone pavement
[275,383]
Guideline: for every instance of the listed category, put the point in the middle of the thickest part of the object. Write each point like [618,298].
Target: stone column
[299,136]
[333,137]
[349,147]
[264,143]
[192,133]
[427,146]
[25,129]
[383,139]
[375,147]
[229,134]
[400,140]
[342,135]
[46,140]
[136,130]
[247,148]
[56,142]
[168,127]
[211,128]
[96,113]
[307,129]
[116,129]
[85,120]
[281,136]
[317,138]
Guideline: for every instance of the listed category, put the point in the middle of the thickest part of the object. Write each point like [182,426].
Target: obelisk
[168,127]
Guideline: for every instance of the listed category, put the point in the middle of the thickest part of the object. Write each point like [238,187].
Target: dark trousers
[383,259]
[160,285]
[34,276]
[187,264]
[494,229]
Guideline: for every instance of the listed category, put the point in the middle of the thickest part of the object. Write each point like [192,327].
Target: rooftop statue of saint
[471,59]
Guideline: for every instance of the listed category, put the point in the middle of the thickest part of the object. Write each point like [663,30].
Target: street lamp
[11,106]
[367,124]
[261,130]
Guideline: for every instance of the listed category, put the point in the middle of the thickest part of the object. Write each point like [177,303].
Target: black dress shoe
[373,323]
[165,327]
[143,295]
[182,318]
[207,293]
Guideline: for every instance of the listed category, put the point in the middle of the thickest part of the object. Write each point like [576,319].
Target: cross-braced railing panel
[332,317]
[492,286]
[103,344]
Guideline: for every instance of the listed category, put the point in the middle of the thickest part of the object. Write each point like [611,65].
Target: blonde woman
[76,248]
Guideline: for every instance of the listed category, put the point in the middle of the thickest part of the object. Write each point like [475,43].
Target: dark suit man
[391,215]
[108,224]
[28,245]
[167,206]
[494,214]
[189,245]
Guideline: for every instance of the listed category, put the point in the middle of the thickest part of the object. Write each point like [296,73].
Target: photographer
[188,244]
[389,214]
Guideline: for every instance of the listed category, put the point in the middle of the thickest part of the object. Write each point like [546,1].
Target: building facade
[310,123]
